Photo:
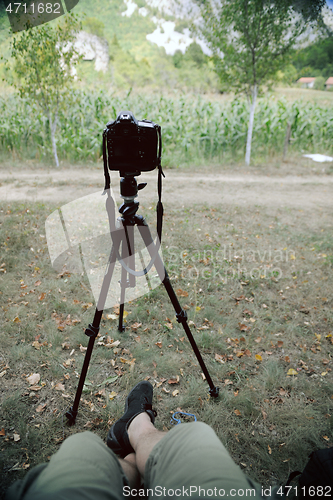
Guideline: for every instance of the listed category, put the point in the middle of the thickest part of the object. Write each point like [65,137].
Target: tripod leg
[180,313]
[92,331]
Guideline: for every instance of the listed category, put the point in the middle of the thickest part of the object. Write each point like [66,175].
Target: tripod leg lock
[92,331]
[181,316]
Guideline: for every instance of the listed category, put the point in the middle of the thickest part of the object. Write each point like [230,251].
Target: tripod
[123,237]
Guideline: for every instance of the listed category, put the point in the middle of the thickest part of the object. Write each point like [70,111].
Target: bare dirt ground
[179,188]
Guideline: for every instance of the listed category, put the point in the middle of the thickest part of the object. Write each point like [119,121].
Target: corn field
[192,127]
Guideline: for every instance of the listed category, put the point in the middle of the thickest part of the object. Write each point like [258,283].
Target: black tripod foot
[214,392]
[71,416]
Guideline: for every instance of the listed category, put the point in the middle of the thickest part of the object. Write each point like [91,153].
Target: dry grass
[257,289]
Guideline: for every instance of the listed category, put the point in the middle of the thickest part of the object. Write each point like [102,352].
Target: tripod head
[129,191]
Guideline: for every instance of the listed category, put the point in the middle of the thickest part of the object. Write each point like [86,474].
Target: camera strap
[159,206]
[106,170]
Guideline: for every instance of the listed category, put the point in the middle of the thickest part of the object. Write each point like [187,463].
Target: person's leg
[188,459]
[83,468]
[143,436]
[128,464]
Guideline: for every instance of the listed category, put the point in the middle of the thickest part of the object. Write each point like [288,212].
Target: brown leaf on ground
[41,408]
[59,387]
[33,379]
[219,358]
[246,311]
[181,293]
[135,326]
[244,328]
[174,380]
[159,344]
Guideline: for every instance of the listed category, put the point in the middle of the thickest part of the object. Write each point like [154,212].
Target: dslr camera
[132,146]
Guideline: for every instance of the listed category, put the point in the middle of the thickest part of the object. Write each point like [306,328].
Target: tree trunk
[250,129]
[53,126]
[287,140]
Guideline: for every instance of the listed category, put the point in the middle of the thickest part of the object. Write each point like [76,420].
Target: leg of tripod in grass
[180,313]
[92,332]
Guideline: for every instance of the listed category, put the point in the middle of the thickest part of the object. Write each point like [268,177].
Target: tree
[43,60]
[251,41]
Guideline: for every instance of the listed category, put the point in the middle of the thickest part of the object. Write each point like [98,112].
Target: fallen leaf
[86,305]
[16,320]
[219,358]
[111,316]
[246,311]
[33,379]
[16,437]
[135,326]
[59,387]
[2,432]
[40,408]
[42,296]
[258,357]
[280,343]
[237,412]
[175,393]
[3,373]
[181,293]
[112,395]
[159,344]
[269,449]
[174,380]
[244,328]
[241,297]
[35,388]
[291,371]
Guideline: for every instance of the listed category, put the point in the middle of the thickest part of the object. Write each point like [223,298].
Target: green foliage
[193,128]
[43,59]
[319,83]
[316,59]
[178,58]
[254,38]
[93,26]
[194,53]
[289,74]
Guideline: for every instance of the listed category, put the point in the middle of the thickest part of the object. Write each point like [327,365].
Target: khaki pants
[189,462]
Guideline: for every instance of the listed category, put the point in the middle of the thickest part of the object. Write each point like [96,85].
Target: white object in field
[319,158]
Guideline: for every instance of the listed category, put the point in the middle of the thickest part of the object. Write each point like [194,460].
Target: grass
[256,288]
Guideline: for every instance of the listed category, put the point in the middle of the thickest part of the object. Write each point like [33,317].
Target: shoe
[138,401]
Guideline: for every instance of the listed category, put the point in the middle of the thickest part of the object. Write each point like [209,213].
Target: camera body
[132,145]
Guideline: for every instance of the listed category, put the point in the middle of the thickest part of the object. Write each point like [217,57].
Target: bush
[319,83]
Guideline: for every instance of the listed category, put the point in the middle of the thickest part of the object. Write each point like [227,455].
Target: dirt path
[307,192]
